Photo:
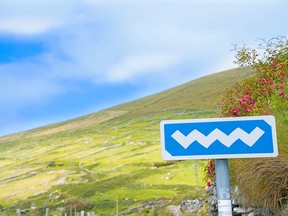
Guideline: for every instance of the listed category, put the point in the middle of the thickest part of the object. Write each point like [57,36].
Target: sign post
[223,187]
[220,139]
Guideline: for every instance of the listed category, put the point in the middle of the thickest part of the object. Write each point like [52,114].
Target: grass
[90,161]
[267,176]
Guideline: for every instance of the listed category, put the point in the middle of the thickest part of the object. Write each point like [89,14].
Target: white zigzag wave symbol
[227,140]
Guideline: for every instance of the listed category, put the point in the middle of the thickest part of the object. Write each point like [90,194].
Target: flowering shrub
[210,170]
[265,92]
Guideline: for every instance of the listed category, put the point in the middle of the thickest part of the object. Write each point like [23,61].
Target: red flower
[281,85]
[248,93]
[268,111]
[235,111]
[262,80]
[274,65]
[247,109]
[282,94]
[208,183]
[242,99]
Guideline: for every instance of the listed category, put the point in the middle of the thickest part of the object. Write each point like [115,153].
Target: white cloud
[107,43]
[125,40]
[26,26]
[34,16]
[224,63]
[135,66]
[20,90]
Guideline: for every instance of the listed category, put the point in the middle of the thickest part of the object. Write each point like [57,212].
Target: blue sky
[63,59]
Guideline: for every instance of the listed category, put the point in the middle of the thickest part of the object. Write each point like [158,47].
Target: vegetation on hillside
[114,155]
[262,182]
[91,162]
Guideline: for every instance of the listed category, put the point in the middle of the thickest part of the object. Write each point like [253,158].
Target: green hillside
[90,162]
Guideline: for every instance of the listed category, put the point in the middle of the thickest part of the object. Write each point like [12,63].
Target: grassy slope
[89,161]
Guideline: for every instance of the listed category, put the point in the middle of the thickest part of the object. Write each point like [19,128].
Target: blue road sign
[237,137]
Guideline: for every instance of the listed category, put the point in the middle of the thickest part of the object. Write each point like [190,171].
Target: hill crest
[200,93]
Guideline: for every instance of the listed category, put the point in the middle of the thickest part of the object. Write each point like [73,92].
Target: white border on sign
[268,119]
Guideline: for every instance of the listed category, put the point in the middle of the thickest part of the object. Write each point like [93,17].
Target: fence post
[82,213]
[117,206]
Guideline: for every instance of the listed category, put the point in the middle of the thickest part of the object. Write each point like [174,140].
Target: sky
[62,59]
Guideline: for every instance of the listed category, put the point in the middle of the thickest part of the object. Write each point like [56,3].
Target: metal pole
[223,187]
[117,206]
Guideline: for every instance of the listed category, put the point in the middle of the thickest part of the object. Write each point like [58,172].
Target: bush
[262,182]
[266,91]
